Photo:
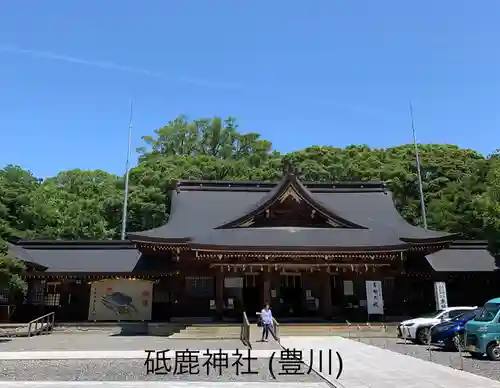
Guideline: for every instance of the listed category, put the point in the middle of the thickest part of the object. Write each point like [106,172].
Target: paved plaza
[149,384]
[67,360]
[485,368]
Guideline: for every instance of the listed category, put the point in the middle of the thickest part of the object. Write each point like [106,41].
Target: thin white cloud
[114,66]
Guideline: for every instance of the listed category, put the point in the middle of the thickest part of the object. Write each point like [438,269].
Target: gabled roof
[82,256]
[463,256]
[289,185]
[203,213]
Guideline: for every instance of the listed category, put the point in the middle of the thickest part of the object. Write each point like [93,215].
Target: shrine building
[309,249]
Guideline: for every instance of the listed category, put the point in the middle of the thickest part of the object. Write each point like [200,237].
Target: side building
[327,250]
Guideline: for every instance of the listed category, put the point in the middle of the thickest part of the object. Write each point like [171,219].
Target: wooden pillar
[326,297]
[266,286]
[219,294]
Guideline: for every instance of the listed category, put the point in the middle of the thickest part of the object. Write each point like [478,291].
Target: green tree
[11,273]
[461,187]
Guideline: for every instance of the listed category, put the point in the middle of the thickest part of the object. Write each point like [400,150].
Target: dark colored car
[450,334]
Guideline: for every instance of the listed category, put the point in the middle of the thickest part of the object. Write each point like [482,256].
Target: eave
[287,254]
[93,275]
[445,239]
[300,250]
[74,244]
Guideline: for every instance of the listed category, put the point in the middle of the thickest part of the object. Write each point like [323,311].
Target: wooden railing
[245,331]
[276,330]
[42,324]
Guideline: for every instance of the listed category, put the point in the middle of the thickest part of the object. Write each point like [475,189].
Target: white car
[417,329]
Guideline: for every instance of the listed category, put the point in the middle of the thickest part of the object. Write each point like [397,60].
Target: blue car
[450,334]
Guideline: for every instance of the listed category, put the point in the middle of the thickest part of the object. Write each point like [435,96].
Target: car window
[445,315]
[467,316]
[435,314]
[457,313]
[488,312]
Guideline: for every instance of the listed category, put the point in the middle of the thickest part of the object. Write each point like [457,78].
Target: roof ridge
[189,185]
[74,244]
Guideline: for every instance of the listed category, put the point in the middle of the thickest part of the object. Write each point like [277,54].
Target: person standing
[266,317]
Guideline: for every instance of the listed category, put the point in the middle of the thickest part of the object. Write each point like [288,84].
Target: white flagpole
[417,157]
[127,172]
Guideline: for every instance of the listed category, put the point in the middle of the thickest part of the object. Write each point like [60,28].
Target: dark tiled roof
[298,239]
[463,256]
[198,208]
[21,254]
[84,256]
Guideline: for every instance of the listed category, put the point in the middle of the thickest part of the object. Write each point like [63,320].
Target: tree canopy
[461,186]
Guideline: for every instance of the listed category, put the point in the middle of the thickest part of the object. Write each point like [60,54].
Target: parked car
[450,334]
[417,330]
[482,334]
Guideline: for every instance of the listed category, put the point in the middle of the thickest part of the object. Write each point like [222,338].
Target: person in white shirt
[266,318]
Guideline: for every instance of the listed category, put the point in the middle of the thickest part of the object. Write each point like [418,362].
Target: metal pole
[417,157]
[127,172]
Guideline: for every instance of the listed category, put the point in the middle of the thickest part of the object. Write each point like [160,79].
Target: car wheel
[493,352]
[423,336]
[449,344]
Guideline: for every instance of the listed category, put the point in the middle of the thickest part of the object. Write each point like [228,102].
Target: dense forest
[461,186]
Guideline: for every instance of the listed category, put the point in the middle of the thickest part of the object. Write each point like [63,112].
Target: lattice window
[200,286]
[52,295]
[35,292]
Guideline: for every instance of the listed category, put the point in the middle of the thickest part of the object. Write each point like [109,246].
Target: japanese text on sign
[195,362]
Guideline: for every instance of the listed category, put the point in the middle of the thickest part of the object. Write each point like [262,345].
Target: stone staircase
[342,330]
[232,331]
[22,330]
[209,331]
[162,329]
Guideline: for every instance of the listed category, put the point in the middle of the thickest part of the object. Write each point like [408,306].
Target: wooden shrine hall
[309,249]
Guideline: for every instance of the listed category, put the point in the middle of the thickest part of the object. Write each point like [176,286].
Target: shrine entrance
[252,292]
[292,303]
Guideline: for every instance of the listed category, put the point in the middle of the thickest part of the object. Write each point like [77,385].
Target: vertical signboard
[121,300]
[440,295]
[374,297]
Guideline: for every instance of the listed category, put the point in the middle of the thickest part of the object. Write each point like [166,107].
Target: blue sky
[299,72]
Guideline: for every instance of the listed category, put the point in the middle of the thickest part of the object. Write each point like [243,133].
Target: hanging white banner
[440,295]
[374,297]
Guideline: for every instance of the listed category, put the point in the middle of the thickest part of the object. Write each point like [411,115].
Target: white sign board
[233,282]
[374,297]
[440,295]
[120,300]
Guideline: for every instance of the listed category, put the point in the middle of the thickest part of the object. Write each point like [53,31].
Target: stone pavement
[124,354]
[105,342]
[118,361]
[483,367]
[156,384]
[366,366]
[103,346]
